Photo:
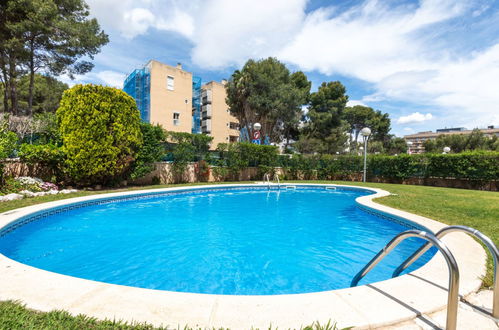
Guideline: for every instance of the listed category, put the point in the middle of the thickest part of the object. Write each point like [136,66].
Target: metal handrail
[452,297]
[485,240]
[266,175]
[278,181]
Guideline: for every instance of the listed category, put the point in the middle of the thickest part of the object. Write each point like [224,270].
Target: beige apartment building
[415,142]
[171,97]
[175,99]
[216,118]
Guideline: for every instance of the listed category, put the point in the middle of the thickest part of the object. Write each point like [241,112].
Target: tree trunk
[31,77]
[287,139]
[5,97]
[13,86]
[6,85]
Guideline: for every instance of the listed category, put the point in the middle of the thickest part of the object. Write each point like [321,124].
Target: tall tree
[264,91]
[47,94]
[360,116]
[325,127]
[50,36]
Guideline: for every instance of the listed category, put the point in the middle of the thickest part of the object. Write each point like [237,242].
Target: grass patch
[14,315]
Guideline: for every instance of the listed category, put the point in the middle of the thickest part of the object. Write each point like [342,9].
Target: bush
[477,165]
[8,141]
[185,148]
[238,156]
[100,131]
[49,156]
[152,150]
[44,154]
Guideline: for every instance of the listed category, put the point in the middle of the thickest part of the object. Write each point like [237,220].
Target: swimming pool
[244,240]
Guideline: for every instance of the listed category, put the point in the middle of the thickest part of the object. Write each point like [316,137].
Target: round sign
[256,135]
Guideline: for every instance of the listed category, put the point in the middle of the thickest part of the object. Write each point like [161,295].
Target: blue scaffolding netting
[137,85]
[196,105]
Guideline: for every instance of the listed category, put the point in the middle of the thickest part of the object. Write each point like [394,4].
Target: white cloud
[396,48]
[229,32]
[132,18]
[107,78]
[136,21]
[415,117]
[111,78]
[352,103]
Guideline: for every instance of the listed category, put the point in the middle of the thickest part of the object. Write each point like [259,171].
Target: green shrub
[100,131]
[152,150]
[185,148]
[476,165]
[8,141]
[44,154]
[49,156]
[238,156]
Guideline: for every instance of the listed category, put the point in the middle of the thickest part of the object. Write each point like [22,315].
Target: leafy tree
[462,142]
[360,116]
[152,149]
[325,127]
[265,92]
[52,36]
[395,146]
[100,131]
[47,94]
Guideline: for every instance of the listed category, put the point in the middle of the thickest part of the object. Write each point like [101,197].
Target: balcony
[206,111]
[206,126]
[206,96]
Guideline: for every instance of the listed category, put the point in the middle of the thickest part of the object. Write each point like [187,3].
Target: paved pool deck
[379,304]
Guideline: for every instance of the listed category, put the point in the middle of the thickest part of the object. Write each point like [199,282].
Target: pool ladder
[434,240]
[266,178]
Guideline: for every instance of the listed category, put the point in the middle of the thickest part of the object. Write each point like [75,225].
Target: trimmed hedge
[477,165]
[474,165]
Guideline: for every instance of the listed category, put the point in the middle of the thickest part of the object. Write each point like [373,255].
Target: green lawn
[15,316]
[477,209]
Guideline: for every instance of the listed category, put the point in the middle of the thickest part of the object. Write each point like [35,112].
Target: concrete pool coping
[374,305]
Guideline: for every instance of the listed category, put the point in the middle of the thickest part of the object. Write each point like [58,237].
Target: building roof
[435,134]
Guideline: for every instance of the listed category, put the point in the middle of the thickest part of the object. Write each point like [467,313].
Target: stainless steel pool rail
[453,295]
[266,178]
[473,232]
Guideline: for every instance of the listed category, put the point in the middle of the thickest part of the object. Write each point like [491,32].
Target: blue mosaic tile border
[393,218]
[106,200]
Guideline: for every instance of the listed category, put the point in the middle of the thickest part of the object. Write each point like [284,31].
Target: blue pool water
[231,241]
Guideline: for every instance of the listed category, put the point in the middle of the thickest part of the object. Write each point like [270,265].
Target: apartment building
[179,102]
[415,142]
[216,118]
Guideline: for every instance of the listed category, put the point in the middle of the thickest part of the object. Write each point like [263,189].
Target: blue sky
[429,64]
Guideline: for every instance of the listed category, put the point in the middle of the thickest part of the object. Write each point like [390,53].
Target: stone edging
[374,305]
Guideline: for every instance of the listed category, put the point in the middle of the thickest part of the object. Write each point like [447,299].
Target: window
[170,82]
[234,125]
[176,118]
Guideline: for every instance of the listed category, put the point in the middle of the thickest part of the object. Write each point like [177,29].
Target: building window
[234,125]
[176,118]
[170,81]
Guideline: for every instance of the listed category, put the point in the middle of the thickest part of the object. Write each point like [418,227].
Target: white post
[365,132]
